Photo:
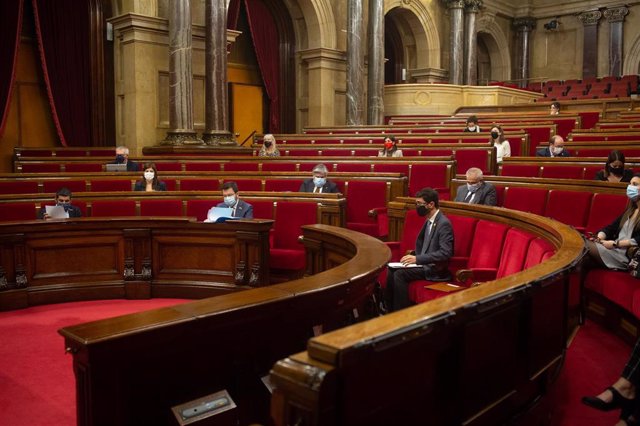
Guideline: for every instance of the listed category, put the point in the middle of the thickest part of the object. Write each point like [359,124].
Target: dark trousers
[631,371]
[397,291]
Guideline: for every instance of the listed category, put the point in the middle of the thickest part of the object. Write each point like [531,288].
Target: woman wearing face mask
[614,170]
[503,149]
[150,181]
[609,246]
[472,125]
[390,148]
[269,147]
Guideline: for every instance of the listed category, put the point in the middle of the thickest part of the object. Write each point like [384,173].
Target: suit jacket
[547,153]
[438,246]
[74,211]
[486,195]
[308,186]
[141,185]
[243,209]
[627,174]
[132,166]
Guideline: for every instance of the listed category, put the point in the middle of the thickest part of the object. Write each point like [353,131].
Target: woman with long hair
[503,149]
[149,181]
[390,148]
[614,170]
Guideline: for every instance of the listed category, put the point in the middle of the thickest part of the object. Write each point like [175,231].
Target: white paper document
[217,213]
[56,212]
[401,265]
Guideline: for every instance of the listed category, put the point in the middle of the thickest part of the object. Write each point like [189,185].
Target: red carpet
[37,384]
[36,377]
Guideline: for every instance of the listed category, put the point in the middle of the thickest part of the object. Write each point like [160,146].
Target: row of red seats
[589,89]
[554,171]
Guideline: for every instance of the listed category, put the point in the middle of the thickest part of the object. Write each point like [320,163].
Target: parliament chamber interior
[207,206]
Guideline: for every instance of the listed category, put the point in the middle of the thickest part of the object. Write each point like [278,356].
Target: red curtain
[63,30]
[233,12]
[265,40]
[11,24]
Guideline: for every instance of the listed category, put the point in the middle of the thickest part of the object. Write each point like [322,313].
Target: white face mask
[149,175]
[472,128]
[557,150]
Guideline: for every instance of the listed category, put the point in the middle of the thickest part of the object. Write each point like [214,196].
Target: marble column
[375,75]
[615,17]
[355,64]
[216,104]
[181,130]
[456,49]
[472,7]
[524,26]
[589,21]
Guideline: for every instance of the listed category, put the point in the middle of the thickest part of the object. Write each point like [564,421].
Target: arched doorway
[491,62]
[406,45]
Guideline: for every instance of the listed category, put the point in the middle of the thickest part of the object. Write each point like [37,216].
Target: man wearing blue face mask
[238,207]
[63,199]
[319,184]
[476,191]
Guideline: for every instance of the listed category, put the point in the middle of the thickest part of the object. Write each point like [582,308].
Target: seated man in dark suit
[318,183]
[555,148]
[63,199]
[122,157]
[476,191]
[232,200]
[434,248]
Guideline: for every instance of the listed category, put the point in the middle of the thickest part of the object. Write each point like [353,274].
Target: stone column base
[182,137]
[219,138]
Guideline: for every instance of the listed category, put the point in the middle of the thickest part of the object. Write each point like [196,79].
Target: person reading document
[430,260]
[237,207]
[63,208]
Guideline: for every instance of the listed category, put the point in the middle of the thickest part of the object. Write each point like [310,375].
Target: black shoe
[618,401]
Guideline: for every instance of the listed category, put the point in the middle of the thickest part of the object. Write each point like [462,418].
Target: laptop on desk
[116,167]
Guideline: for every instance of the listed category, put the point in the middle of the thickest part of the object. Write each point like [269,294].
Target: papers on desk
[56,212]
[401,265]
[219,214]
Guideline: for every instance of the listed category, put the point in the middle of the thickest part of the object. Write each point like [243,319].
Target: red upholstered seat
[391,168]
[82,167]
[286,251]
[19,187]
[51,186]
[353,167]
[363,197]
[537,249]
[161,208]
[262,209]
[240,167]
[173,166]
[109,185]
[247,184]
[591,171]
[17,211]
[428,175]
[202,167]
[617,286]
[463,230]
[282,185]
[561,172]
[199,208]
[199,184]
[467,158]
[514,252]
[486,250]
[569,207]
[269,166]
[531,200]
[170,184]
[308,167]
[41,168]
[113,208]
[519,170]
[605,208]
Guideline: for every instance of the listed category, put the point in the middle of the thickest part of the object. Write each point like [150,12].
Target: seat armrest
[476,274]
[379,214]
[377,211]
[394,246]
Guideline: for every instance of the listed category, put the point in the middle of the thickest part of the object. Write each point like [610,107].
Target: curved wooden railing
[480,356]
[132,369]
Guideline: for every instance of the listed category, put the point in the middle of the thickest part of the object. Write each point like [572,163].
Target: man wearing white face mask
[555,148]
[476,191]
[239,208]
[319,184]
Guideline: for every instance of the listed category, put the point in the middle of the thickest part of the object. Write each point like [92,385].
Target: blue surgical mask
[632,192]
[230,200]
[319,182]
[473,187]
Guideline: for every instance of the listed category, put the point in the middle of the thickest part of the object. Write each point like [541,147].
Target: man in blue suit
[430,260]
[239,208]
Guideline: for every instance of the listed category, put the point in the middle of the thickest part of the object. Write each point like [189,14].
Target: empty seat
[391,168]
[240,167]
[17,211]
[199,184]
[480,158]
[202,167]
[436,176]
[115,208]
[262,209]
[269,166]
[82,167]
[486,250]
[569,207]
[353,167]
[514,252]
[532,200]
[168,167]
[199,208]
[282,185]
[367,207]
[286,251]
[519,170]
[41,168]
[561,172]
[52,186]
[605,208]
[537,250]
[247,184]
[161,208]
[19,187]
[110,185]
